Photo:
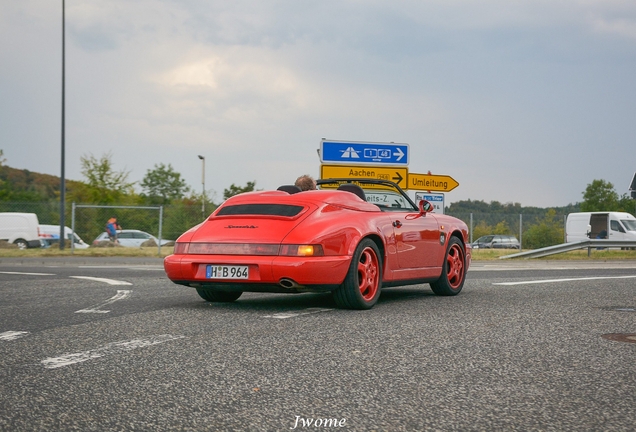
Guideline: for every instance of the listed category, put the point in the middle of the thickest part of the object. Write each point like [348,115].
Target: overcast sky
[518,101]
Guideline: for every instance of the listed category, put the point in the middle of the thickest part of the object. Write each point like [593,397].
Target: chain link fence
[532,230]
[90,220]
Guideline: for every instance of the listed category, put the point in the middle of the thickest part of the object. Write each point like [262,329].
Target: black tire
[211,295]
[21,243]
[363,283]
[451,281]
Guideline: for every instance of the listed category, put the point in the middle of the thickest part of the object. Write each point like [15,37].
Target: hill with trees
[111,193]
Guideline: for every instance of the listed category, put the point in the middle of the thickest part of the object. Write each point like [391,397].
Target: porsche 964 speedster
[350,237]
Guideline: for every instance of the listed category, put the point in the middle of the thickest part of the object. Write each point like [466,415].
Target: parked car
[497,242]
[20,229]
[327,240]
[50,234]
[131,238]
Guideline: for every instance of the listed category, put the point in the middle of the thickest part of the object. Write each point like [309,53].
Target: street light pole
[62,175]
[203,185]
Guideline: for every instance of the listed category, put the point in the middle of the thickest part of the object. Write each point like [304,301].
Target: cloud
[621,27]
[255,85]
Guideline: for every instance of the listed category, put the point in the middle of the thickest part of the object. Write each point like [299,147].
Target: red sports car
[350,237]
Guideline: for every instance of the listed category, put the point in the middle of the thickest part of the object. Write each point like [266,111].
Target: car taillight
[247,249]
[181,248]
[233,249]
[302,250]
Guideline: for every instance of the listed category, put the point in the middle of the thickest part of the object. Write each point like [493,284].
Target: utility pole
[62,174]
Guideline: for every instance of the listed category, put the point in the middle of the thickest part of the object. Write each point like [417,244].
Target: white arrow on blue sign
[355,152]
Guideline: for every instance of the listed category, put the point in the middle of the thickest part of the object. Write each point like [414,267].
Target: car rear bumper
[266,273]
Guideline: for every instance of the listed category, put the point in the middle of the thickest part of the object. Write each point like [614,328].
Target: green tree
[502,228]
[627,204]
[547,232]
[235,190]
[104,185]
[481,229]
[600,196]
[162,185]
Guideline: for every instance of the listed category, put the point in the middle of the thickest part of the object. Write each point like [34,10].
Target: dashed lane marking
[108,349]
[12,335]
[309,311]
[563,280]
[105,280]
[121,294]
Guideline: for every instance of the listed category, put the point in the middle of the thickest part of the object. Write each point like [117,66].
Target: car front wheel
[211,295]
[454,269]
[362,285]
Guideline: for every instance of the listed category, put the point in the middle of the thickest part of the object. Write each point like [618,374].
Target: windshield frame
[373,184]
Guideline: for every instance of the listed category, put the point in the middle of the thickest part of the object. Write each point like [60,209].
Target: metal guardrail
[567,247]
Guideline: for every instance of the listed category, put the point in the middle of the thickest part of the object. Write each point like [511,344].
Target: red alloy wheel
[455,266]
[368,274]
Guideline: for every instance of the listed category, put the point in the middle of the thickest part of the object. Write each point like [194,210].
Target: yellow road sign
[426,182]
[398,175]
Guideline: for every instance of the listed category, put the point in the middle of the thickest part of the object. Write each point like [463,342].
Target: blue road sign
[354,152]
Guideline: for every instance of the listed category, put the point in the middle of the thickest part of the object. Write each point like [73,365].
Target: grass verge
[579,255]
[149,252]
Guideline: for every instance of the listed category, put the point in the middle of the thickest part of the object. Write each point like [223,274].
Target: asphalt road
[523,347]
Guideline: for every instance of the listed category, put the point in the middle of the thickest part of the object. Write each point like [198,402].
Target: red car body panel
[412,245]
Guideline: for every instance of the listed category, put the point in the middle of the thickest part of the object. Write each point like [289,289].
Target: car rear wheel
[211,295]
[453,275]
[362,285]
[21,244]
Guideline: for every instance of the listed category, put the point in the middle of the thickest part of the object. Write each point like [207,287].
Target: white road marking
[284,315]
[108,349]
[12,335]
[108,281]
[564,280]
[27,273]
[121,294]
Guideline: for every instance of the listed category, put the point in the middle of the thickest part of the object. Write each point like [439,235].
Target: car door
[617,232]
[141,237]
[417,239]
[126,239]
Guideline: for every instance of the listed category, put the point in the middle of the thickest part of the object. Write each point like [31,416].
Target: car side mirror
[425,207]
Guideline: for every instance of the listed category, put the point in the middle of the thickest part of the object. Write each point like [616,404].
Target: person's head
[306,182]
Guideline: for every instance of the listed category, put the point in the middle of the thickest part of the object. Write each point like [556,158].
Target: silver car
[496,242]
[131,238]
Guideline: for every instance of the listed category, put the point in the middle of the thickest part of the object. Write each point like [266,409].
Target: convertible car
[350,237]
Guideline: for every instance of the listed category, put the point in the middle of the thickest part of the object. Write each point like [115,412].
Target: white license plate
[226,272]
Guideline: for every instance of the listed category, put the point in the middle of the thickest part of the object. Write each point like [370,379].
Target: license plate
[226,272]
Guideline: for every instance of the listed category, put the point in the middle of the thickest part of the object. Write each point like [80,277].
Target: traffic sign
[437,199]
[397,175]
[430,182]
[354,152]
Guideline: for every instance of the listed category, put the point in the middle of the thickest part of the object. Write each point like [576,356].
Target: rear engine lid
[252,223]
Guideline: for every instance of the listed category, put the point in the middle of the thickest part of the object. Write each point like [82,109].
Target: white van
[51,235]
[21,229]
[593,225]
